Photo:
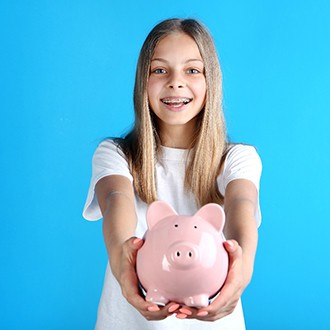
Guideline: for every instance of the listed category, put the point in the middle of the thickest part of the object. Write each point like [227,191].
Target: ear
[158,211]
[214,214]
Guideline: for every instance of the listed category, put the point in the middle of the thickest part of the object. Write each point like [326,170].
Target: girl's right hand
[130,285]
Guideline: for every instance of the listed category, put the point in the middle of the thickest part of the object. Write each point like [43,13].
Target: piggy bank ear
[214,214]
[157,211]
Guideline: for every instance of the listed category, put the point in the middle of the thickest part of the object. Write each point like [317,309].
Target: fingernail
[137,241]
[153,308]
[230,243]
[202,313]
[181,316]
[185,311]
[173,308]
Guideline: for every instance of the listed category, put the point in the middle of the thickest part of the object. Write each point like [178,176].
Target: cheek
[153,95]
[201,90]
[152,90]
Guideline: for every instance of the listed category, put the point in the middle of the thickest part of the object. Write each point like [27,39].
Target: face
[176,86]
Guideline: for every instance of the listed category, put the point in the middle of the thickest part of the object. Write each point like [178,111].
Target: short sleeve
[242,162]
[108,160]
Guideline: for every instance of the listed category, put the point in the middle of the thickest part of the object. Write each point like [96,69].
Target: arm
[241,200]
[116,199]
[240,207]
[115,196]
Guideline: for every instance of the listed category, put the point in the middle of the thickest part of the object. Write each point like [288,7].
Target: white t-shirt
[242,162]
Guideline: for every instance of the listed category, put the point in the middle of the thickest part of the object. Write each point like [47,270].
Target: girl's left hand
[225,303]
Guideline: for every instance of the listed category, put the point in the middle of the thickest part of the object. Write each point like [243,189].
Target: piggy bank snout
[183,255]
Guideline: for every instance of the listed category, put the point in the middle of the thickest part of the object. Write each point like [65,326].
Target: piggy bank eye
[176,225]
[195,227]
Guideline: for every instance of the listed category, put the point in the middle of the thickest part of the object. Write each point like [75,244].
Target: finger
[130,248]
[153,308]
[159,313]
[173,307]
[231,246]
[133,244]
[235,260]
[136,242]
[186,311]
[189,312]
[233,282]
[129,281]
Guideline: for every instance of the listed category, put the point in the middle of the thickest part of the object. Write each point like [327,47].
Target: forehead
[177,44]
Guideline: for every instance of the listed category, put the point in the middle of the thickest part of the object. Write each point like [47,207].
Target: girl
[176,152]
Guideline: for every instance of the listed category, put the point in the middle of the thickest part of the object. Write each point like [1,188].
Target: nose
[183,255]
[176,81]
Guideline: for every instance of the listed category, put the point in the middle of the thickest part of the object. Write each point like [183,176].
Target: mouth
[176,101]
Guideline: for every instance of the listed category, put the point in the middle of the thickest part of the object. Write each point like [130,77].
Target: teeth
[184,100]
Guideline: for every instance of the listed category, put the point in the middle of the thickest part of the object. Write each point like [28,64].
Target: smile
[176,101]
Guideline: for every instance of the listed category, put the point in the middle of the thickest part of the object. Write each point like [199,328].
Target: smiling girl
[176,152]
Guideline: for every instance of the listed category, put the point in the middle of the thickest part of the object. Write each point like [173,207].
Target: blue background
[66,78]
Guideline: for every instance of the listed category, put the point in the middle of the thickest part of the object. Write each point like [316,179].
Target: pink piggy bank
[183,258]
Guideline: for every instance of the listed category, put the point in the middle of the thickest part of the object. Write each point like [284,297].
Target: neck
[177,136]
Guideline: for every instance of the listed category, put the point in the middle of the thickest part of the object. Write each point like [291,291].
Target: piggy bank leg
[157,297]
[197,301]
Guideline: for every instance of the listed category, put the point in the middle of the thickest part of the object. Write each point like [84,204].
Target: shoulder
[108,144]
[109,157]
[242,153]
[108,147]
[241,162]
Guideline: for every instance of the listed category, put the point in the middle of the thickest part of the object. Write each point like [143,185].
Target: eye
[158,71]
[193,71]
[195,227]
[176,225]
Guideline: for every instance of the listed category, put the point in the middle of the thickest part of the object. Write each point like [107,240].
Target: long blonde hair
[141,145]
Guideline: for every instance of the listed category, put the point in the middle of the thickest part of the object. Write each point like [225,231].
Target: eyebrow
[187,61]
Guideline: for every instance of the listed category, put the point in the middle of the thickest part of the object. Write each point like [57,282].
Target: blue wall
[66,79]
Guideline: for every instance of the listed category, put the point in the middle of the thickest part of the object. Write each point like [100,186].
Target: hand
[225,303]
[129,284]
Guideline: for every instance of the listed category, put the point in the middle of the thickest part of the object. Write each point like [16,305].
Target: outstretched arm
[115,195]
[241,200]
